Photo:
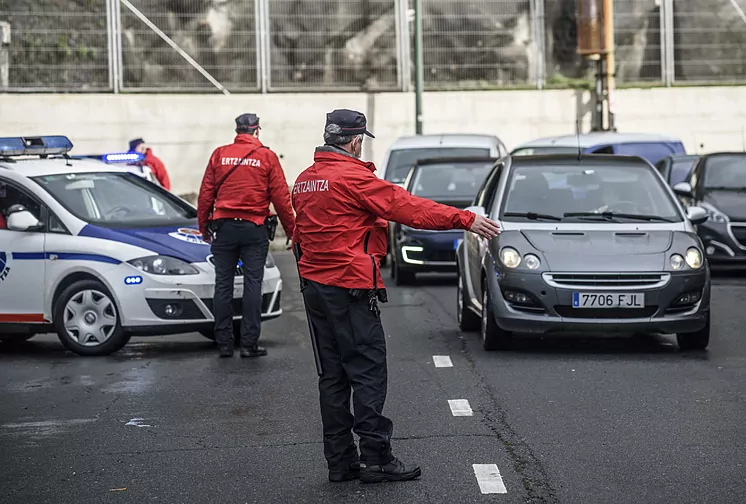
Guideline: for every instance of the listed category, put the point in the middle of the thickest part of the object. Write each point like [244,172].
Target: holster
[271,223]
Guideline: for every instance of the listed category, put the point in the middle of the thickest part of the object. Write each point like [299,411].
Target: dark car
[677,167]
[718,184]
[451,181]
[608,250]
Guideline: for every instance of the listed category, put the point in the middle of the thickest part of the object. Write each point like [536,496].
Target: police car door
[22,264]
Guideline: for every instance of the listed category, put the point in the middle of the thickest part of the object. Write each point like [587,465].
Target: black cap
[134,143]
[350,121]
[248,121]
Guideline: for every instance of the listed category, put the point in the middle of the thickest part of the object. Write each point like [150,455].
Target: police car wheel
[87,321]
[467,319]
[493,337]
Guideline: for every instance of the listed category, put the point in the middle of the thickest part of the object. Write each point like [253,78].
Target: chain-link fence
[337,45]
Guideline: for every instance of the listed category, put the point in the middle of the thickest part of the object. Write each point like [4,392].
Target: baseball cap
[249,121]
[350,121]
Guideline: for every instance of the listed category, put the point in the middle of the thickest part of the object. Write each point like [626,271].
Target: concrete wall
[183,129]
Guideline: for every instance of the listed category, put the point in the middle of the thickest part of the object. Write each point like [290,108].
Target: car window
[116,200]
[560,189]
[11,195]
[401,160]
[537,151]
[449,182]
[681,169]
[652,151]
[607,149]
[491,191]
[725,171]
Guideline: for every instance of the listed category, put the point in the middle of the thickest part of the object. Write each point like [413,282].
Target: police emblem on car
[188,235]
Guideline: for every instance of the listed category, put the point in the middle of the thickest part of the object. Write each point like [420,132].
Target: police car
[96,253]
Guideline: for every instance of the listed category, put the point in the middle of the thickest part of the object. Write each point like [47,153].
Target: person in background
[152,162]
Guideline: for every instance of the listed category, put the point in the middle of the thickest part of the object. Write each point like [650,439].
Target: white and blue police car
[96,253]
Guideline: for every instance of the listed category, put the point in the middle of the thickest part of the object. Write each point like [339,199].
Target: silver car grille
[606,281]
[211,260]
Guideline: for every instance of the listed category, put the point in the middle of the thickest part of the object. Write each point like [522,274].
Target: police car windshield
[561,189]
[116,200]
[402,160]
[449,181]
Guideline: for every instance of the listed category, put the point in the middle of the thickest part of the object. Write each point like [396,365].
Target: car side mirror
[683,189]
[477,210]
[697,215]
[22,220]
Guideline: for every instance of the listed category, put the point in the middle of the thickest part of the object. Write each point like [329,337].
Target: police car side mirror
[22,220]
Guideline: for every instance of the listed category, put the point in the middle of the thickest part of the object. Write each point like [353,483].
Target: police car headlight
[270,262]
[164,265]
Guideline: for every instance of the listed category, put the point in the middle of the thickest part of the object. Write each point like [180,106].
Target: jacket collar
[332,154]
[245,138]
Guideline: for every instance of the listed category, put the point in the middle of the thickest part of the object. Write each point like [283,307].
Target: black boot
[255,351]
[395,470]
[225,351]
[348,473]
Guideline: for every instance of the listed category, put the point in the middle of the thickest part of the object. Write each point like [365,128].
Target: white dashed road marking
[489,479]
[137,422]
[460,407]
[442,361]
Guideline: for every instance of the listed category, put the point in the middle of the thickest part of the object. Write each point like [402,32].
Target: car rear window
[401,160]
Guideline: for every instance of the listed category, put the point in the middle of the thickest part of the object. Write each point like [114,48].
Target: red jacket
[3,224]
[246,194]
[342,213]
[159,169]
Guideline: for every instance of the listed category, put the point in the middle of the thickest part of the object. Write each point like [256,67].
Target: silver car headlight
[510,257]
[531,261]
[270,262]
[693,258]
[164,265]
[677,261]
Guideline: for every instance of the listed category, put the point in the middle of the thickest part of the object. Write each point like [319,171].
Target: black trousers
[246,241]
[352,348]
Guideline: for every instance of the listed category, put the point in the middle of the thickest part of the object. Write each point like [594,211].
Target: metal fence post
[403,47]
[668,58]
[538,28]
[261,9]
[118,77]
[4,55]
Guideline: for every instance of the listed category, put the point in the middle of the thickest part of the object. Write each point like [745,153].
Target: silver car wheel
[460,296]
[90,318]
[484,314]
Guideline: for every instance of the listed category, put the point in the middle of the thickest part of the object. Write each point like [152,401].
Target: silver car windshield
[450,181]
[620,193]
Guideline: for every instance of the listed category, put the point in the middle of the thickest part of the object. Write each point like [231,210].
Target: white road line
[460,407]
[489,479]
[442,361]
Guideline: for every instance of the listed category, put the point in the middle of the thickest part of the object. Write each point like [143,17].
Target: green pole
[419,71]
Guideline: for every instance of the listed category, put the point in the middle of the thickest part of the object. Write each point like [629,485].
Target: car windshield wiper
[533,216]
[613,215]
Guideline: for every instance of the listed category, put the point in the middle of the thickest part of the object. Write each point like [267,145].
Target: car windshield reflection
[598,194]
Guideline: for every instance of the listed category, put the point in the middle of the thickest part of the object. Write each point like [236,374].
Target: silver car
[591,243]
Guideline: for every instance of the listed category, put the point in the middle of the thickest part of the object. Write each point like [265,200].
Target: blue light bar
[35,146]
[124,157]
[133,280]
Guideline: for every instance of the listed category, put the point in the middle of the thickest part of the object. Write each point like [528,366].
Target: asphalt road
[563,420]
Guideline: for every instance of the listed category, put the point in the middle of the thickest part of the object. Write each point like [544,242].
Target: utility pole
[610,64]
[419,71]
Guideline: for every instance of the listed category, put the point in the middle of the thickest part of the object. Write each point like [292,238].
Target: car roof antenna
[67,159]
[577,135]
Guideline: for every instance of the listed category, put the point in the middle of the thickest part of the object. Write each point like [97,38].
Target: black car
[718,184]
[677,167]
[451,181]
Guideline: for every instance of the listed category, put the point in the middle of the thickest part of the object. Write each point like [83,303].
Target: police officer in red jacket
[342,208]
[240,181]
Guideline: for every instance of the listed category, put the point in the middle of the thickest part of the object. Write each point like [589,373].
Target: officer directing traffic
[239,183]
[342,209]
